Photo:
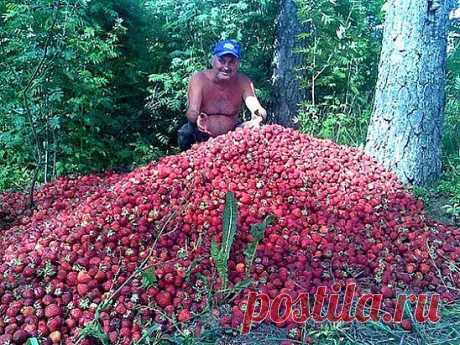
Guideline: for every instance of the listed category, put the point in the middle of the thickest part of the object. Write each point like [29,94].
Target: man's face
[225,66]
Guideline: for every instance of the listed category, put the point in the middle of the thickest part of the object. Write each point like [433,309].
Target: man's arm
[250,99]
[194,98]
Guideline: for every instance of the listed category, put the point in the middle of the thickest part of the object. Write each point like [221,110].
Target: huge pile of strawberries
[339,217]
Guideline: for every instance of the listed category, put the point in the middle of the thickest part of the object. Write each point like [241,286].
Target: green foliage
[148,278]
[451,133]
[47,270]
[453,210]
[32,341]
[421,193]
[221,254]
[342,45]
[150,335]
[13,174]
[449,184]
[329,333]
[73,80]
[94,330]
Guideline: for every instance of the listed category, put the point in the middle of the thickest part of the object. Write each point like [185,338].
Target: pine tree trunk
[286,77]
[406,126]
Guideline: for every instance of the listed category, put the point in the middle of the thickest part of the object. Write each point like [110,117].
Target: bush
[342,46]
[73,83]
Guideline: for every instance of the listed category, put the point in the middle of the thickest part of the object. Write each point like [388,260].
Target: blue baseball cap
[227,47]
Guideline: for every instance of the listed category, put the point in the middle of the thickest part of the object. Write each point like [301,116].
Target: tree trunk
[405,129]
[286,77]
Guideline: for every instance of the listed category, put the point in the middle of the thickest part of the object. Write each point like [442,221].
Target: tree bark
[286,77]
[406,126]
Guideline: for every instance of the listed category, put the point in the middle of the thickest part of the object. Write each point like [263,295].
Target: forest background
[94,85]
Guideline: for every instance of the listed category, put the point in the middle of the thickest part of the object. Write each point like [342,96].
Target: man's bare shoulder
[243,80]
[197,77]
[245,85]
[201,76]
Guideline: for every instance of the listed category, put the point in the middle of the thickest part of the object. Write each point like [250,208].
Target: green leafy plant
[73,83]
[453,210]
[148,278]
[449,184]
[451,129]
[47,270]
[94,330]
[32,341]
[221,254]
[341,46]
[150,335]
[421,193]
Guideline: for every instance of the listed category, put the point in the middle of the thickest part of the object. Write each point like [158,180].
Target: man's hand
[201,123]
[259,113]
[251,100]
[254,123]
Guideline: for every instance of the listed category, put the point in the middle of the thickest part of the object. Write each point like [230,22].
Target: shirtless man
[215,97]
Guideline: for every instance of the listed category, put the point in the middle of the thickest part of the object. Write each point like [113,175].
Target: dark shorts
[189,134]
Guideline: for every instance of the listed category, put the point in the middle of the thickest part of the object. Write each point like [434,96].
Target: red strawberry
[55,337]
[184,315]
[54,323]
[387,292]
[100,276]
[163,298]
[240,267]
[52,310]
[410,268]
[83,277]
[76,314]
[425,268]
[82,289]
